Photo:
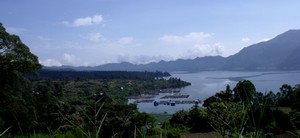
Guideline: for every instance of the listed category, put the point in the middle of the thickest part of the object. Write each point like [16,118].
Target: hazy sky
[93,32]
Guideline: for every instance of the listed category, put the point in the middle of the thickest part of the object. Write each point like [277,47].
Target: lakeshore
[205,84]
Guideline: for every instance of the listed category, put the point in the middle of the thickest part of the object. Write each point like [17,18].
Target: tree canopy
[16,60]
[15,55]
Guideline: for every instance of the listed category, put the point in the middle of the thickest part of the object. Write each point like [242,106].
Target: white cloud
[85,21]
[245,40]
[125,40]
[50,62]
[202,50]
[95,37]
[192,37]
[69,58]
[192,45]
[265,39]
[141,59]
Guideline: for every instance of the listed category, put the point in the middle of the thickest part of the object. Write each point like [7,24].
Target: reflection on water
[205,84]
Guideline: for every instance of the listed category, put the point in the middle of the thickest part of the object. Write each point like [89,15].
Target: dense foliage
[68,103]
[79,105]
[95,75]
[245,112]
[16,98]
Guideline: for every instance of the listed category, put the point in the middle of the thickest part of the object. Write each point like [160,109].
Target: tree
[225,95]
[179,118]
[16,96]
[271,99]
[15,55]
[222,96]
[212,99]
[296,104]
[198,121]
[143,119]
[287,95]
[227,118]
[244,91]
[121,119]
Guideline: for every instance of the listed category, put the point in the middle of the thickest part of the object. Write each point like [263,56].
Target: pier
[174,102]
[166,102]
[176,96]
[144,101]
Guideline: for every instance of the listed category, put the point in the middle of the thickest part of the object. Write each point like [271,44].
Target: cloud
[43,38]
[123,58]
[191,38]
[245,40]
[50,62]
[125,40]
[202,50]
[95,37]
[141,59]
[265,39]
[69,58]
[85,21]
[121,43]
[192,45]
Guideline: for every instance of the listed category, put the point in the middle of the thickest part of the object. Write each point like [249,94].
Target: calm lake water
[205,84]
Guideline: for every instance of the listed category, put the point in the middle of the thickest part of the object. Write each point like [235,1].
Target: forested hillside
[95,75]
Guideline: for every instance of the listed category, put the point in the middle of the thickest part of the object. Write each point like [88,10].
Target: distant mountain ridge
[269,55]
[279,53]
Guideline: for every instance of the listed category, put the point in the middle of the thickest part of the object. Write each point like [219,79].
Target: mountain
[279,53]
[276,54]
[197,64]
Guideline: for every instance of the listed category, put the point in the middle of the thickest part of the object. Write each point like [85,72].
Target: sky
[96,32]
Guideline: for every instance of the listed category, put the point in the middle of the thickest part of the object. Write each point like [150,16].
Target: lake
[207,83]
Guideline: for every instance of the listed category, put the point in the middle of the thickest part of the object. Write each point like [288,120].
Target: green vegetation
[15,98]
[245,112]
[94,104]
[161,118]
[69,103]
[92,107]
